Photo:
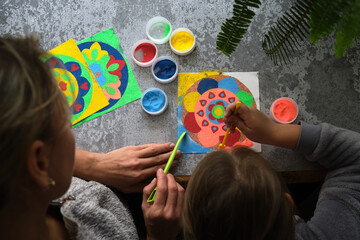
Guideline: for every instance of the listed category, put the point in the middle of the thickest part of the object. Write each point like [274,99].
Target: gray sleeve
[96,213]
[309,138]
[328,145]
[337,214]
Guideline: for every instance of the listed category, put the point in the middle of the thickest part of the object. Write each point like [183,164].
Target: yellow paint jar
[182,41]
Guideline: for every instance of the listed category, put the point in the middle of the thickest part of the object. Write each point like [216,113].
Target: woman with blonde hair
[238,195]
[37,150]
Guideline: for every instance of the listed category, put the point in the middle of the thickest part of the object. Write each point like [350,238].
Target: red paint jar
[144,53]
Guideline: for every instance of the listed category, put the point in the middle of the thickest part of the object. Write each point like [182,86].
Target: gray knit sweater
[337,213]
[97,213]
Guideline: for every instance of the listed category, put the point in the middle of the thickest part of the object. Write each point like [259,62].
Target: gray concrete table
[326,89]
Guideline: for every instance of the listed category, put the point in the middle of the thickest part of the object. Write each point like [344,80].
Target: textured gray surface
[326,89]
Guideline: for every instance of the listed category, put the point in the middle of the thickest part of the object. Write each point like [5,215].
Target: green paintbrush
[152,196]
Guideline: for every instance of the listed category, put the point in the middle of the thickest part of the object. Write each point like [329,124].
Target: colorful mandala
[109,68]
[68,73]
[203,109]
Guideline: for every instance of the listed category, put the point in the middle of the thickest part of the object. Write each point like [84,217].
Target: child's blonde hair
[236,195]
[31,105]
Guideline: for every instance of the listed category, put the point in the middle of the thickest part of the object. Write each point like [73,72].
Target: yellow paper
[190,78]
[94,99]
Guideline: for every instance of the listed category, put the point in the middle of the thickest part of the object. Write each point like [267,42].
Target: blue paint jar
[154,101]
[164,69]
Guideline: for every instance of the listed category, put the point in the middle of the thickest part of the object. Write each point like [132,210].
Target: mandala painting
[76,81]
[103,54]
[203,98]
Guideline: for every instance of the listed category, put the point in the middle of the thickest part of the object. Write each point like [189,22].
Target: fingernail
[160,170]
[154,180]
[172,145]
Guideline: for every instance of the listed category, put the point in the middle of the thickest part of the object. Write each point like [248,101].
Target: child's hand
[253,123]
[163,217]
[259,128]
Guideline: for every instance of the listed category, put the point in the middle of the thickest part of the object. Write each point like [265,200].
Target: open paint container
[164,69]
[144,53]
[158,30]
[182,41]
[284,110]
[154,101]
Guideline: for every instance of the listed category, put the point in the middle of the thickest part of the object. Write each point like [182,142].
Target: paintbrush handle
[238,104]
[152,196]
[172,156]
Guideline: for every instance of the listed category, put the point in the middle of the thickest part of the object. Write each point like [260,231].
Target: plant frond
[234,28]
[283,38]
[348,28]
[324,17]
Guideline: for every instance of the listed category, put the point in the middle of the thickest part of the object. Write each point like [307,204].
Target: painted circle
[123,78]
[218,111]
[81,74]
[67,83]
[212,102]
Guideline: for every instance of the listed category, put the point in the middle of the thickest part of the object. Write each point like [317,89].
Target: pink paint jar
[144,53]
[284,110]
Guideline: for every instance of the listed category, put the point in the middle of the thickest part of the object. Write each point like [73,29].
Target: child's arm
[337,214]
[259,128]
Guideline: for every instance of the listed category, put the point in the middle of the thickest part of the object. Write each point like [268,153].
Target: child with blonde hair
[238,195]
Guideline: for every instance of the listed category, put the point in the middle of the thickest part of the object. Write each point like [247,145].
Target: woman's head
[34,120]
[236,195]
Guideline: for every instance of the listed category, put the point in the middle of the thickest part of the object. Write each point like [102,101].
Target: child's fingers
[229,110]
[243,112]
[240,124]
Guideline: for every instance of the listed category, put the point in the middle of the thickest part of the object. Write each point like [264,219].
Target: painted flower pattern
[106,68]
[204,106]
[72,83]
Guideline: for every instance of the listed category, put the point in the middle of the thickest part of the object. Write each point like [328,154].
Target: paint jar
[164,69]
[284,110]
[158,30]
[154,101]
[182,41]
[144,53]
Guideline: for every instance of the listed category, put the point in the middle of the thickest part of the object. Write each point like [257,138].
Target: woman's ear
[37,164]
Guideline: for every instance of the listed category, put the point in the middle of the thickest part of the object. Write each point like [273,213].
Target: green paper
[132,91]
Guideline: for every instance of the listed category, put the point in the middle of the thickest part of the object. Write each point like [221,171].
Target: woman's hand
[126,169]
[163,217]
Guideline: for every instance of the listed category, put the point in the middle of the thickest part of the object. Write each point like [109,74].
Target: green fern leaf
[324,17]
[348,28]
[289,29]
[233,29]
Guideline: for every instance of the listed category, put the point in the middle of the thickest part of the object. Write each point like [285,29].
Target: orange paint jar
[284,110]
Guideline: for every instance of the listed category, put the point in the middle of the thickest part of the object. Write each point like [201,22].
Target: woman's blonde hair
[236,195]
[31,105]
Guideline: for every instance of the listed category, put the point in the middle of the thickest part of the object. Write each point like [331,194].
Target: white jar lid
[158,30]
